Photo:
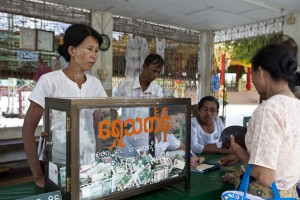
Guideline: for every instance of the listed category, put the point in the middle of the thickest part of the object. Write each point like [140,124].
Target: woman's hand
[230,159]
[40,181]
[234,147]
[239,151]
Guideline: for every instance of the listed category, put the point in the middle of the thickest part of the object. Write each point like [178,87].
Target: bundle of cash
[125,182]
[160,172]
[97,189]
[179,164]
[143,175]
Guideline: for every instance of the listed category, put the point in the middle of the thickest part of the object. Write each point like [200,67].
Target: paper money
[179,164]
[62,172]
[125,182]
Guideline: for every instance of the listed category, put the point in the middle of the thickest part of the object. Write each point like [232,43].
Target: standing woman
[81,49]
[273,134]
[207,128]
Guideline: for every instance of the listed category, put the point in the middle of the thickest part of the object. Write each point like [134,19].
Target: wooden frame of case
[72,108]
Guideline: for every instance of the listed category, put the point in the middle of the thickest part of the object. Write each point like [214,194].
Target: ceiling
[191,14]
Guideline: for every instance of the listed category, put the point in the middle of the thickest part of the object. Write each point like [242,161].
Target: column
[205,64]
[103,23]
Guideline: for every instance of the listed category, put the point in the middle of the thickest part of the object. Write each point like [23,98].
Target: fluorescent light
[264,5]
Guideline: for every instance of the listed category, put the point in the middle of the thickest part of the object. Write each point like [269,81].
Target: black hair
[297,79]
[154,59]
[208,98]
[74,36]
[278,61]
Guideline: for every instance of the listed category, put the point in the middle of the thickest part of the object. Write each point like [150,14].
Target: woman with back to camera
[81,49]
[273,135]
[207,128]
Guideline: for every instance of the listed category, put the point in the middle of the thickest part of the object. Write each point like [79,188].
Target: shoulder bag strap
[276,193]
[245,181]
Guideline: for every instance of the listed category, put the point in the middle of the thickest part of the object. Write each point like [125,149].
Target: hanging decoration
[160,46]
[248,84]
[136,52]
[250,30]
[222,75]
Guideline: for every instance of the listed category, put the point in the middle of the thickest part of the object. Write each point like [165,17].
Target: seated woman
[273,135]
[207,128]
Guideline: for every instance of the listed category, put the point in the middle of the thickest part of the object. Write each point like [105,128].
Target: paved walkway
[244,97]
[235,113]
[241,104]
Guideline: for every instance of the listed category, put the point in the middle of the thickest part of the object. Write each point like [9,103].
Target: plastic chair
[238,132]
[246,121]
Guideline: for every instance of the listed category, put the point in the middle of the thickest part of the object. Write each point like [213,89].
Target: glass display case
[113,148]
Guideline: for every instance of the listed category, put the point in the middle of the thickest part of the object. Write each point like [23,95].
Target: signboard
[27,38]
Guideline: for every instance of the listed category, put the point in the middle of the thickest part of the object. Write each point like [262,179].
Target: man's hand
[195,161]
[224,151]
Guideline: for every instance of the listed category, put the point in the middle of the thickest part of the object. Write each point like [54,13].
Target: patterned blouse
[273,139]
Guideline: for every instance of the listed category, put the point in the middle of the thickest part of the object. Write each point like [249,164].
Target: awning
[240,63]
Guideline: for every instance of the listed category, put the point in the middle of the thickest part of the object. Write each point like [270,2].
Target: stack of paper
[205,167]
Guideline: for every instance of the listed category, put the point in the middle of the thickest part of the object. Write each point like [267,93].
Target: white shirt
[57,84]
[200,138]
[131,87]
[171,144]
[273,139]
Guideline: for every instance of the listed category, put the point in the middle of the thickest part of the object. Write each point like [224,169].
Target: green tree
[244,49]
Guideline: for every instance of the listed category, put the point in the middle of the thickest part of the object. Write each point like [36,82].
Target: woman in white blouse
[273,134]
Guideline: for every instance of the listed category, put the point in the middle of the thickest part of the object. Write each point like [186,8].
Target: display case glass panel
[118,148]
[56,144]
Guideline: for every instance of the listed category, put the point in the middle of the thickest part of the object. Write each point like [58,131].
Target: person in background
[81,49]
[207,128]
[273,134]
[215,84]
[42,69]
[141,86]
